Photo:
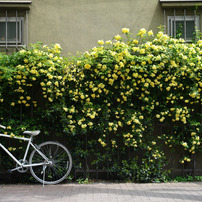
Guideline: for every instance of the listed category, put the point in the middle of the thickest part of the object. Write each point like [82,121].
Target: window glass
[11,31]
[2,31]
[176,26]
[190,29]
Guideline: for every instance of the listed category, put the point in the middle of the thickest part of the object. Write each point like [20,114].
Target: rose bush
[115,94]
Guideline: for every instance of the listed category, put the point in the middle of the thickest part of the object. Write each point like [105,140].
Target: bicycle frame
[22,165]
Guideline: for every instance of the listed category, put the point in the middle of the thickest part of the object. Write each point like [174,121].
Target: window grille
[14,24]
[181,18]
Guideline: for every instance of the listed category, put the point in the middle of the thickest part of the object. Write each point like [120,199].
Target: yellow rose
[142,51]
[108,42]
[100,42]
[135,41]
[65,109]
[125,30]
[12,135]
[57,46]
[150,33]
[87,66]
[117,37]
[158,116]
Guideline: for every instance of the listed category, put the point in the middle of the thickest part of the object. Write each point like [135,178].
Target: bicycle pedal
[10,171]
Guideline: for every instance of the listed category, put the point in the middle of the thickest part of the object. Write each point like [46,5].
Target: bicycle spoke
[60,167]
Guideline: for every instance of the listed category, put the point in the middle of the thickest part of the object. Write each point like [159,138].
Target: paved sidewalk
[106,192]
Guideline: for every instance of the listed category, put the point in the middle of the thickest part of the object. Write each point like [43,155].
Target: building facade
[78,24]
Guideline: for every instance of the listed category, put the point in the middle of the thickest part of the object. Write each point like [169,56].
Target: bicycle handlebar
[1,126]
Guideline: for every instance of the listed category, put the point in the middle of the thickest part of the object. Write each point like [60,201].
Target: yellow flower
[117,37]
[150,33]
[12,135]
[146,85]
[57,46]
[162,119]
[158,116]
[42,84]
[50,99]
[22,51]
[125,30]
[65,109]
[49,83]
[82,96]
[184,144]
[135,41]
[100,42]
[188,159]
[87,66]
[135,75]
[78,62]
[83,126]
[142,32]
[93,95]
[56,83]
[108,42]
[142,51]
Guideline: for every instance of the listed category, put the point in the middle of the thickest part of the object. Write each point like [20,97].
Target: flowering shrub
[125,86]
[115,94]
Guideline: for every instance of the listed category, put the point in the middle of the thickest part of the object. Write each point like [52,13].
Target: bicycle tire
[61,163]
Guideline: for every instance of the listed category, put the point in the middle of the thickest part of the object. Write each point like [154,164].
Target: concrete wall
[78,24]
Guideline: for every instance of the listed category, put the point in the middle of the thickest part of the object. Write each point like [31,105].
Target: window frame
[172,19]
[19,39]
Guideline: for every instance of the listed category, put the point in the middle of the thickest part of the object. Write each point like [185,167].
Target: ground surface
[102,192]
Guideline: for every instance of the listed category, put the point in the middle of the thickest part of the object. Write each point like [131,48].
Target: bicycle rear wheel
[61,165]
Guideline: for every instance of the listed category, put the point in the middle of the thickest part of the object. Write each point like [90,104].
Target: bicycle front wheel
[61,165]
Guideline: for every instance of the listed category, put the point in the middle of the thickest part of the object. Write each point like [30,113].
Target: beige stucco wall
[78,24]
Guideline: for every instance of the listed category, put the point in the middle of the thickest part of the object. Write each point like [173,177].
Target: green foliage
[109,99]
[188,178]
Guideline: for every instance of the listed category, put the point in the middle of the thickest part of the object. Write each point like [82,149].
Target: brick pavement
[112,192]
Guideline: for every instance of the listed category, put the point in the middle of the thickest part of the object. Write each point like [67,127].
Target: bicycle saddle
[32,133]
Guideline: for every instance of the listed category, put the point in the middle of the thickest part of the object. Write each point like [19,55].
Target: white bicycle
[49,163]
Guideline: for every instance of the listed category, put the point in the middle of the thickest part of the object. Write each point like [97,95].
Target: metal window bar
[21,31]
[27,12]
[16,35]
[6,30]
[195,25]
[185,28]
[174,24]
[164,20]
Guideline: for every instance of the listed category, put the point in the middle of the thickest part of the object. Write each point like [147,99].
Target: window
[183,26]
[181,18]
[14,24]
[11,30]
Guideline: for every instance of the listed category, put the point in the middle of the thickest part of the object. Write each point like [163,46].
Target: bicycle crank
[22,169]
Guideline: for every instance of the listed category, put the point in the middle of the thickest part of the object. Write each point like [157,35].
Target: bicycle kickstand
[44,173]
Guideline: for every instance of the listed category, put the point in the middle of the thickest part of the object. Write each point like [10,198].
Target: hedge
[115,94]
